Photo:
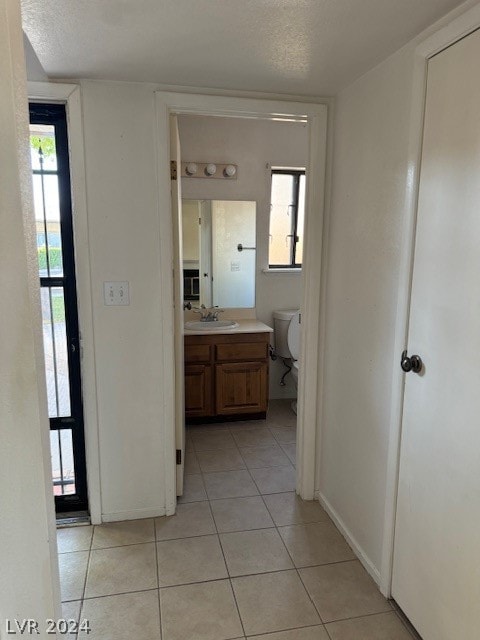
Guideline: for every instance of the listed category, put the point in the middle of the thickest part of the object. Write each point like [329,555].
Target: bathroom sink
[211,326]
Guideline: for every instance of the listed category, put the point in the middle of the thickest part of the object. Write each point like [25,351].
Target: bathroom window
[287,215]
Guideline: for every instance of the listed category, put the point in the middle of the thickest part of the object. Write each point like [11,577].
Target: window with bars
[287,216]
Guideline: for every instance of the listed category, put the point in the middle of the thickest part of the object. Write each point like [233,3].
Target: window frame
[296,174]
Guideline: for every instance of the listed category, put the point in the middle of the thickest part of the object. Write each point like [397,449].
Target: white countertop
[244,326]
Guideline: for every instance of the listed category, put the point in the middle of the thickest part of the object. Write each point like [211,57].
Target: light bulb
[191,169]
[230,170]
[211,169]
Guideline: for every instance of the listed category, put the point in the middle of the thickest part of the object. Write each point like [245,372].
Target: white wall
[255,146]
[28,565]
[119,128]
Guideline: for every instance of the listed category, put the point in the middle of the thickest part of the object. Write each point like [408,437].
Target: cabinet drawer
[197,352]
[241,351]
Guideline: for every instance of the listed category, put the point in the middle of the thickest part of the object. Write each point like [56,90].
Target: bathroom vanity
[226,371]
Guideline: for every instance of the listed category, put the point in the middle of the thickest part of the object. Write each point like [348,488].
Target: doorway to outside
[56,269]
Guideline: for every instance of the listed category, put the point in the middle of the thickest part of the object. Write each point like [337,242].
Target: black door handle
[413,363]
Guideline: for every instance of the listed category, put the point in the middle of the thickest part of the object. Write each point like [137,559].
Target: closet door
[436,578]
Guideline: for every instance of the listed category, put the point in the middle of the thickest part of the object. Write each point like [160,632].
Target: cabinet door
[198,390]
[241,387]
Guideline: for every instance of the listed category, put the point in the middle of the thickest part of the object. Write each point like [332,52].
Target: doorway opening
[314,118]
[56,269]
[231,227]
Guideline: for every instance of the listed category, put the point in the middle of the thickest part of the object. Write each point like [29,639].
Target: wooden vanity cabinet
[226,375]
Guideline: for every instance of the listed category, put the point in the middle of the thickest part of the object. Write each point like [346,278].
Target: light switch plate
[116,293]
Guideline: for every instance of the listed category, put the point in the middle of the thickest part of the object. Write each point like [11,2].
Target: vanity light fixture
[191,168]
[230,170]
[209,170]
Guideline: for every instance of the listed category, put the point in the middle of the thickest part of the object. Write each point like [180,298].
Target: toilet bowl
[287,340]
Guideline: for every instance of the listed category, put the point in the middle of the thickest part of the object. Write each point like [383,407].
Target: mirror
[219,252]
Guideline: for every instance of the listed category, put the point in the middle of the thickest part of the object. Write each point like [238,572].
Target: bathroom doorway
[313,117]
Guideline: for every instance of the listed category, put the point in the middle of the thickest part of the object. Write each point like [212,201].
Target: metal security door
[56,265]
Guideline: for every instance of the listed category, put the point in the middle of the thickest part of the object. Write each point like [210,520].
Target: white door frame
[309,399]
[444,37]
[69,95]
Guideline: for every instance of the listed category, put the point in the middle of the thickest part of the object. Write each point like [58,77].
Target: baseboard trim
[136,514]
[357,549]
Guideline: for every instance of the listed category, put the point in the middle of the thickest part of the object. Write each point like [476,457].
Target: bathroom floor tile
[284,435]
[291,451]
[193,489]
[275,479]
[384,626]
[191,462]
[204,611]
[229,484]
[208,427]
[306,633]
[74,538]
[262,457]
[190,560]
[343,590]
[123,617]
[73,569]
[260,551]
[116,534]
[253,437]
[288,508]
[121,570]
[212,440]
[281,414]
[191,519]
[241,514]
[281,599]
[315,543]
[221,460]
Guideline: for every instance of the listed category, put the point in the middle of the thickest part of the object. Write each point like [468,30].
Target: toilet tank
[281,320]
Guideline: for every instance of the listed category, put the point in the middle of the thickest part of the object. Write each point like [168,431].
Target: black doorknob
[413,363]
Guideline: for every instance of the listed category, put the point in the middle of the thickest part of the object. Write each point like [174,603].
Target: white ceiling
[307,47]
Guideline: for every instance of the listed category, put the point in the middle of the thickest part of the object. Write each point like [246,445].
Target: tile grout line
[294,565]
[227,569]
[86,572]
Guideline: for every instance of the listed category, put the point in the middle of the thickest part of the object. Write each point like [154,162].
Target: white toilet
[287,340]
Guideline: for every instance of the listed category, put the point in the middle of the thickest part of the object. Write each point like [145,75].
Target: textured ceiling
[307,47]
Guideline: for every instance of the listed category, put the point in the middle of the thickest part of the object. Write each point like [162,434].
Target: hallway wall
[124,244]
[369,179]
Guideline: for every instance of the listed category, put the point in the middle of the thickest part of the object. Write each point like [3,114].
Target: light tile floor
[242,558]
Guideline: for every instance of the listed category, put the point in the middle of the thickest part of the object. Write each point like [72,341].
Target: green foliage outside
[54,256]
[47,144]
[58,309]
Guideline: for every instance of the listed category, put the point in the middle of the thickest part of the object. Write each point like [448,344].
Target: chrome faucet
[208,314]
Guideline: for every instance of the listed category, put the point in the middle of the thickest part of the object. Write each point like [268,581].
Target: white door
[436,577]
[178,302]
